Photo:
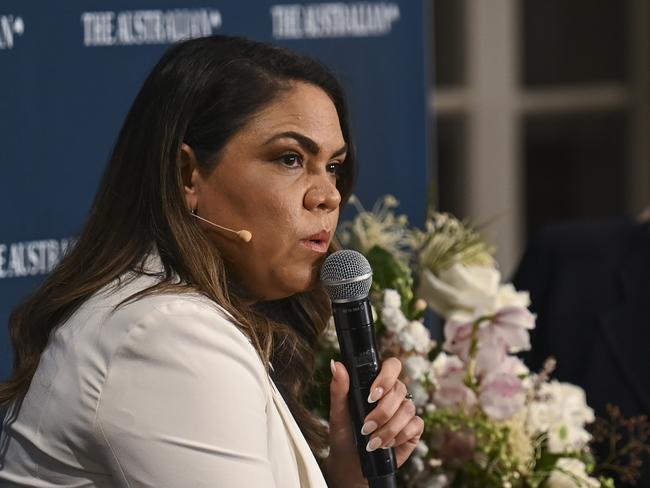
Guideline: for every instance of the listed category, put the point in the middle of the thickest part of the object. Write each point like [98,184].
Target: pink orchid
[510,327]
[502,395]
[451,389]
[458,337]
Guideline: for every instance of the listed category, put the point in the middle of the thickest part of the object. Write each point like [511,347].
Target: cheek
[273,262]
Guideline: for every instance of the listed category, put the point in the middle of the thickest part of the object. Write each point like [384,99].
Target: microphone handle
[356,334]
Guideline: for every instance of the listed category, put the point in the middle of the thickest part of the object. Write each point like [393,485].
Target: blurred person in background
[589,285]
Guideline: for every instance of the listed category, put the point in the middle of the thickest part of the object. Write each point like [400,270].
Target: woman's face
[276,178]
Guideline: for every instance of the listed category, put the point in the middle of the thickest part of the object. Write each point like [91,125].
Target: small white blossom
[416,367]
[421,449]
[392,299]
[561,411]
[393,319]
[420,394]
[415,337]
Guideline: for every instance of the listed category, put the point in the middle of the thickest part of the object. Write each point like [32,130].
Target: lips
[317,242]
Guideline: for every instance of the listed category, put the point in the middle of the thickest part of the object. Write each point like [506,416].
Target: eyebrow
[309,144]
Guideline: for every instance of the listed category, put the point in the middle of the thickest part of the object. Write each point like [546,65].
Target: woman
[144,359]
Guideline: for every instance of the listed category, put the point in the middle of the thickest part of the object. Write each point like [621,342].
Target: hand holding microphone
[388,420]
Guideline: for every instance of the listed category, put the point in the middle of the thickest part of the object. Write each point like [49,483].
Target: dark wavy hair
[201,93]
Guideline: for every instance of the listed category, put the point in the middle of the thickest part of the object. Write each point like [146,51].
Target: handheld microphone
[243,234]
[347,277]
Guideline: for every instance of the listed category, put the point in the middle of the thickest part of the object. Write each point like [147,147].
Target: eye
[335,167]
[291,160]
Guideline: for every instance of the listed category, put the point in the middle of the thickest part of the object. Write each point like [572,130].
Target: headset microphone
[243,234]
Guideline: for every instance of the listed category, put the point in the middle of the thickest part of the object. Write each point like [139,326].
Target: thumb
[340,419]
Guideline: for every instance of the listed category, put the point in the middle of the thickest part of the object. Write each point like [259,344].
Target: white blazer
[163,392]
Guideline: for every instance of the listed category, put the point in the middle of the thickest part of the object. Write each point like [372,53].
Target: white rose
[571,473]
[508,296]
[465,289]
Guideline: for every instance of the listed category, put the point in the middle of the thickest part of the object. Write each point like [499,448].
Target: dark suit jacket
[590,288]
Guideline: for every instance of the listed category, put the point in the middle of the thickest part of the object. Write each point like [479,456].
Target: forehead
[304,108]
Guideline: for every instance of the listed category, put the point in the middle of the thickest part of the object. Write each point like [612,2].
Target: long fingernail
[389,445]
[368,427]
[332,367]
[374,443]
[375,394]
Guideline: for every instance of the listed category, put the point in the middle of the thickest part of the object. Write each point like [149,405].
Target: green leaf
[390,272]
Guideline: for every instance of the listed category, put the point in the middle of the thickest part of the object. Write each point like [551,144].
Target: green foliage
[491,463]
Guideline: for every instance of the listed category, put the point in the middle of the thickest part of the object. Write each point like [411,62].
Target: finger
[404,451]
[339,411]
[386,407]
[413,430]
[385,380]
[398,422]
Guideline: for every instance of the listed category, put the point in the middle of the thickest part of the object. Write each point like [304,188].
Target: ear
[190,175]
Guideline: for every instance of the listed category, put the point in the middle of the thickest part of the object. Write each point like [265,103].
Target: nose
[322,195]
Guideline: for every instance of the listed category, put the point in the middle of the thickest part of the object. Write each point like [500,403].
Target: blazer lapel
[308,469]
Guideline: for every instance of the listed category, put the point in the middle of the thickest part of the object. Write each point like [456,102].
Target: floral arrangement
[489,421]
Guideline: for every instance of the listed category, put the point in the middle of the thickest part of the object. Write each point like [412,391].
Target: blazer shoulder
[180,325]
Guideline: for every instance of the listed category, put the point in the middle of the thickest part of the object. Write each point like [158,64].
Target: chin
[297,284]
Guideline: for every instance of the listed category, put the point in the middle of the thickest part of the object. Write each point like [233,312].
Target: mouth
[317,242]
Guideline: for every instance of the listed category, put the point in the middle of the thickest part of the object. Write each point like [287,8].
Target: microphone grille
[346,276]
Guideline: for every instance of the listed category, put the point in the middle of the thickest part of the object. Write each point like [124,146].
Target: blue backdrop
[70,70]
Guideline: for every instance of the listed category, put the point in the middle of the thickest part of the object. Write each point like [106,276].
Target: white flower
[465,289]
[392,299]
[442,364]
[415,337]
[393,319]
[421,449]
[416,367]
[378,227]
[571,473]
[508,296]
[420,394]
[562,412]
